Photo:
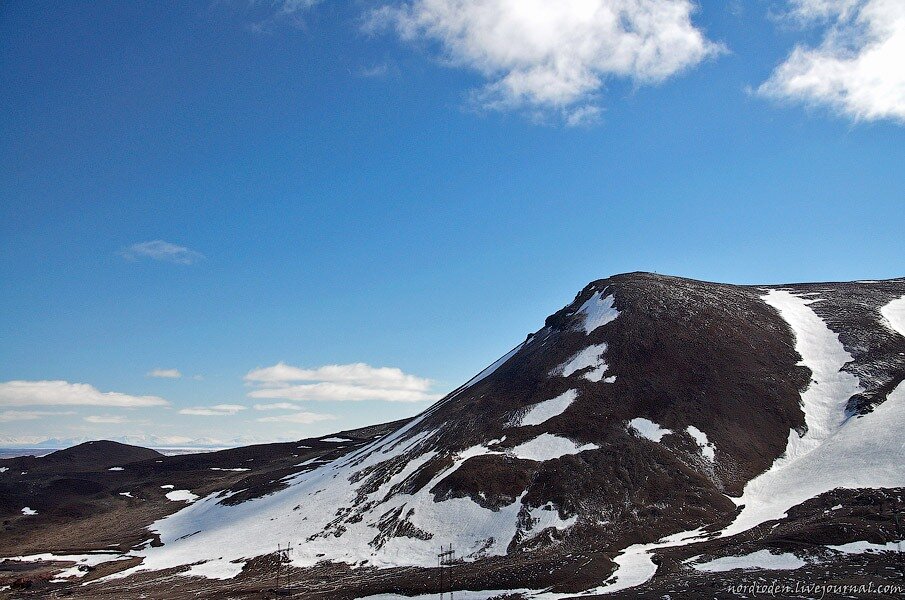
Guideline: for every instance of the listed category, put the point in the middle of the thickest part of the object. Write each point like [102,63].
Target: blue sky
[220,187]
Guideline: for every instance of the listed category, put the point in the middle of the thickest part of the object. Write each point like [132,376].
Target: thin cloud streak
[217,410]
[162,251]
[8,416]
[165,373]
[300,418]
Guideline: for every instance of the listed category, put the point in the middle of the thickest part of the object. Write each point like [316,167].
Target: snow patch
[181,496]
[700,438]
[762,559]
[126,494]
[215,569]
[337,440]
[28,511]
[591,357]
[115,469]
[648,429]
[546,410]
[547,446]
[894,315]
[4,469]
[864,546]
[168,486]
[547,516]
[598,311]
[634,565]
[225,469]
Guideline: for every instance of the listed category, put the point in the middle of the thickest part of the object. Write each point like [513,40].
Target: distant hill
[93,456]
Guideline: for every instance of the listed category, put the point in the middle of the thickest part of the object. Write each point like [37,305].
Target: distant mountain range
[147,441]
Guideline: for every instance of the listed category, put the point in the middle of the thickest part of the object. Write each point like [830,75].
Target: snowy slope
[868,451]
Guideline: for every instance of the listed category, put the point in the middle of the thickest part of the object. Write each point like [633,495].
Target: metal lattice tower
[445,560]
[284,558]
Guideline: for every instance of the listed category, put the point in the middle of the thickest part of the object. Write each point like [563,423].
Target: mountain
[653,426]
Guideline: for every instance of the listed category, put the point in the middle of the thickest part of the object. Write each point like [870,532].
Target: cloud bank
[856,70]
[63,393]
[553,56]
[351,382]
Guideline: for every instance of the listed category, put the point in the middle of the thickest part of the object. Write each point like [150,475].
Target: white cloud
[106,419]
[278,406]
[33,393]
[303,418]
[163,251]
[856,70]
[355,373]
[554,55]
[8,416]
[165,373]
[351,382]
[216,410]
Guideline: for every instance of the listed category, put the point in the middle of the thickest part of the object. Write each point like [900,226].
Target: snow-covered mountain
[650,413]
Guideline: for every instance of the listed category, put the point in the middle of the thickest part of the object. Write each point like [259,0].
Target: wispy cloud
[162,251]
[282,12]
[302,418]
[217,410]
[554,57]
[375,71]
[165,373]
[106,419]
[278,406]
[34,393]
[856,70]
[351,382]
[8,416]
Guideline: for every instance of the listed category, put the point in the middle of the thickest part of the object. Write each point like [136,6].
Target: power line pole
[895,508]
[283,558]
[445,560]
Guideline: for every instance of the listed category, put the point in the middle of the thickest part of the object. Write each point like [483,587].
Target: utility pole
[279,563]
[895,513]
[445,560]
[283,557]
